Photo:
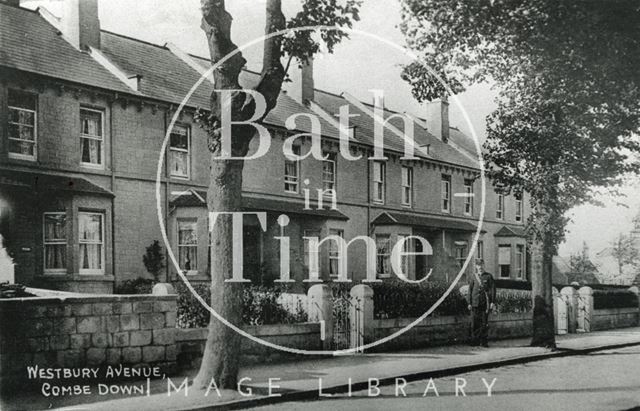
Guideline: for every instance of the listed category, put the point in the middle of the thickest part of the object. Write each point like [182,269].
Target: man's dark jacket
[483,294]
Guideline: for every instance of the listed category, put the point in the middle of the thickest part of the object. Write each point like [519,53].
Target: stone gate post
[636,291]
[585,309]
[555,298]
[321,310]
[570,295]
[361,315]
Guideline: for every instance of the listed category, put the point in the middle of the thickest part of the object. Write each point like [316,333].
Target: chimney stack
[80,23]
[14,3]
[301,87]
[438,119]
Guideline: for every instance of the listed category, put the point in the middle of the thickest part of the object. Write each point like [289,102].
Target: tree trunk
[221,356]
[222,351]
[542,295]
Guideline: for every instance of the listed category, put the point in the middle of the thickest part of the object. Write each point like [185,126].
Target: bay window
[55,243]
[334,253]
[188,245]
[383,255]
[91,241]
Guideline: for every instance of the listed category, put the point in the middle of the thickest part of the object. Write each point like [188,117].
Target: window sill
[383,276]
[92,166]
[22,157]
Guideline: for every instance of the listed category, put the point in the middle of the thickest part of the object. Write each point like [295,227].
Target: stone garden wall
[607,319]
[448,330]
[302,336]
[86,330]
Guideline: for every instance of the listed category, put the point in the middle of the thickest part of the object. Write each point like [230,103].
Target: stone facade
[86,331]
[133,128]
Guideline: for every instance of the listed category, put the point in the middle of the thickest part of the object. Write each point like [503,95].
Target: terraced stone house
[84,113]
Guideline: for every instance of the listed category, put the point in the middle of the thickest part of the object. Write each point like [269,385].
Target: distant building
[564,274]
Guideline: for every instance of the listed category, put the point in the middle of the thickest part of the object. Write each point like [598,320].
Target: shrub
[397,299]
[513,302]
[138,286]
[259,306]
[153,259]
[614,299]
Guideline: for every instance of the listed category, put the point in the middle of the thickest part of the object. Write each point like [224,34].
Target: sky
[358,64]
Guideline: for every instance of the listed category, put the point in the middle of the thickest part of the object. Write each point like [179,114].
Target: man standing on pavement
[482,295]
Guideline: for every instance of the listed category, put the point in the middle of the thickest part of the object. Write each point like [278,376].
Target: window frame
[519,210]
[181,150]
[306,250]
[500,207]
[507,246]
[386,256]
[18,156]
[101,270]
[45,243]
[193,220]
[407,187]
[480,250]
[468,200]
[379,185]
[331,159]
[100,165]
[445,194]
[337,255]
[520,261]
[293,180]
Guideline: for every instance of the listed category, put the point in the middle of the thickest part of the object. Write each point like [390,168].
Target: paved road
[605,380]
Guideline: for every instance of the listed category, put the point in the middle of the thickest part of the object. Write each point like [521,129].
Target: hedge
[259,306]
[614,299]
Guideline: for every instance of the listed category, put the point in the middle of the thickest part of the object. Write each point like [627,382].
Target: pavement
[316,378]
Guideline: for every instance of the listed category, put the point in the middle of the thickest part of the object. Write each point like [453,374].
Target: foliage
[569,101]
[260,305]
[512,284]
[301,44]
[397,299]
[625,252]
[513,302]
[153,259]
[139,285]
[614,299]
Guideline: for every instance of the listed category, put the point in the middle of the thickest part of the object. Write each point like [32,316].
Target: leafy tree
[221,354]
[568,107]
[153,259]
[625,252]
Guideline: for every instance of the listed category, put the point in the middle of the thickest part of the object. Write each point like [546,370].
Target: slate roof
[364,129]
[428,222]
[41,182]
[191,199]
[29,43]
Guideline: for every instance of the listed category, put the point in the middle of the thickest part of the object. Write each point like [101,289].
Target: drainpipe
[167,265]
[113,190]
[369,229]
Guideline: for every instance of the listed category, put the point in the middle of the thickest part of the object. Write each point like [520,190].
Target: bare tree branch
[273,72]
